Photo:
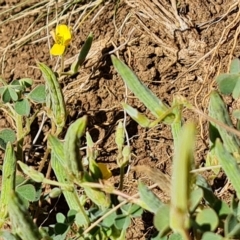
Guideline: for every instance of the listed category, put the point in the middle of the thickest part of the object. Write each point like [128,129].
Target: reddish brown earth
[169,59]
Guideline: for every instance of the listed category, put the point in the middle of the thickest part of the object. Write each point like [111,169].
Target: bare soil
[174,53]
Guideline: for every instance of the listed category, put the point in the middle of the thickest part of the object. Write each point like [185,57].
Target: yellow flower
[62,37]
[106,173]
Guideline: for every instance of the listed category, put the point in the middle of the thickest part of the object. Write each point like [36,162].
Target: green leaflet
[151,101]
[72,198]
[57,148]
[82,55]
[218,111]
[229,165]
[54,98]
[71,147]
[8,180]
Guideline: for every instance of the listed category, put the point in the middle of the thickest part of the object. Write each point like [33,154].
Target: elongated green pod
[55,192]
[91,156]
[151,101]
[120,136]
[21,221]
[54,98]
[229,165]
[126,154]
[83,54]
[72,198]
[218,111]
[181,179]
[8,180]
[71,147]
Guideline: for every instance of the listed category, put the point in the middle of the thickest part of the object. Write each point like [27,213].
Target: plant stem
[42,163]
[20,134]
[121,177]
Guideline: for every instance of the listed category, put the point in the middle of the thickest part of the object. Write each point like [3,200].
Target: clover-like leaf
[71,215]
[22,107]
[38,94]
[60,218]
[196,197]
[17,86]
[235,66]
[232,227]
[227,82]
[211,236]
[6,135]
[162,223]
[13,94]
[6,96]
[207,219]
[122,222]
[26,82]
[61,229]
[27,191]
[109,220]
[132,210]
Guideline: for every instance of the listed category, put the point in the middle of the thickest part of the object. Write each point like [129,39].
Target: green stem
[121,177]
[20,134]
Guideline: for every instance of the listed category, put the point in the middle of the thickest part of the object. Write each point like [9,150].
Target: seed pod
[54,98]
[71,146]
[55,192]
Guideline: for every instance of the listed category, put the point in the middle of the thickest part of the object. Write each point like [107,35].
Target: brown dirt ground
[171,57]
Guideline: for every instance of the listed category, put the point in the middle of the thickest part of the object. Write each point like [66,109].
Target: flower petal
[106,172]
[57,50]
[64,31]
